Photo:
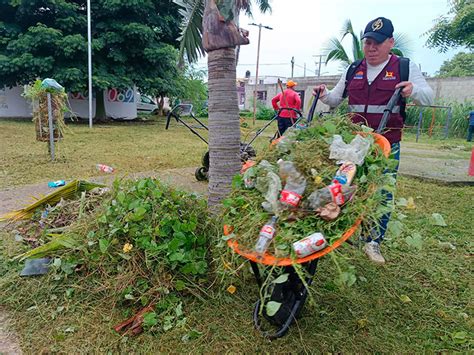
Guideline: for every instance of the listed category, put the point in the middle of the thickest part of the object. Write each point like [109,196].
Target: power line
[262,64]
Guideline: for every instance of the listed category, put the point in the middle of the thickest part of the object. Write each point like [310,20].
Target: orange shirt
[288,99]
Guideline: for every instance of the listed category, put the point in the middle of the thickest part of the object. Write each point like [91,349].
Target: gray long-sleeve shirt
[422,93]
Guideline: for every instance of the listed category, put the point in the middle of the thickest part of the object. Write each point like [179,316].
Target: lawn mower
[292,293]
[246,150]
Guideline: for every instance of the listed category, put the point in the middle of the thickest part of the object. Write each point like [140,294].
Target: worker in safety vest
[289,98]
[369,88]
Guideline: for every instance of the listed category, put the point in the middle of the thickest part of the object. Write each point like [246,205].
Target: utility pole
[89,60]
[256,70]
[320,61]
[292,66]
[304,73]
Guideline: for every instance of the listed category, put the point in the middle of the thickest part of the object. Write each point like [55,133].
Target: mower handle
[313,107]
[388,110]
[298,112]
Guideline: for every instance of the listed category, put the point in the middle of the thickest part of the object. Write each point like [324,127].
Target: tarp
[79,103]
[118,104]
[12,104]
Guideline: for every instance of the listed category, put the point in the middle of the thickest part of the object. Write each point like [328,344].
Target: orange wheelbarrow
[291,294]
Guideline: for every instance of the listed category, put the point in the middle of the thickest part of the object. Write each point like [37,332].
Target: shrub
[263,112]
[458,123]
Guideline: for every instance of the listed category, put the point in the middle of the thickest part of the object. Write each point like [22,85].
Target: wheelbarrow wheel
[284,294]
[247,152]
[205,161]
[201,174]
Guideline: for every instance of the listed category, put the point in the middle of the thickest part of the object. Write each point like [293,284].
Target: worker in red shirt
[289,98]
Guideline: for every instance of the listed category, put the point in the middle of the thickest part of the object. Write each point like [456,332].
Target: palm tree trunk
[224,129]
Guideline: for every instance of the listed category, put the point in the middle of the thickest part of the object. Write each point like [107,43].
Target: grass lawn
[126,146]
[421,300]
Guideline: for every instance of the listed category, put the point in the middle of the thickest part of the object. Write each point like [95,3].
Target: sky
[302,28]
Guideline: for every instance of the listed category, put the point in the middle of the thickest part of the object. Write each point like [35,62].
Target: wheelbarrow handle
[313,107]
[388,110]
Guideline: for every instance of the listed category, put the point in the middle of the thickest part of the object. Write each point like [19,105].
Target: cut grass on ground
[421,300]
[127,146]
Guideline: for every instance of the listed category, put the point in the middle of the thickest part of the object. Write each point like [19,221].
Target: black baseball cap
[379,29]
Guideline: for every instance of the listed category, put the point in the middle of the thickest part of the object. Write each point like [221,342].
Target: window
[260,81]
[261,95]
[146,100]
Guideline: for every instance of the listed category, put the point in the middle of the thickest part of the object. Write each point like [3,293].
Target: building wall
[449,89]
[446,89]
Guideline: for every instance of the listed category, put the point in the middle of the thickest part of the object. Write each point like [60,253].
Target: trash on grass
[104,168]
[56,183]
[134,324]
[35,267]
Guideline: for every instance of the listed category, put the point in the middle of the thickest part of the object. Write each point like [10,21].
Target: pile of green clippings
[309,151]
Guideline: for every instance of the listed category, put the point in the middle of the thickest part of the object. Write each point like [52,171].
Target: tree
[134,43]
[210,25]
[335,50]
[193,87]
[462,64]
[455,29]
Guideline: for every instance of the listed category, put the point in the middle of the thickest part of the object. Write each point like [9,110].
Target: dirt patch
[8,341]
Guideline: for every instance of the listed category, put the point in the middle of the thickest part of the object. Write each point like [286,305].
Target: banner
[120,104]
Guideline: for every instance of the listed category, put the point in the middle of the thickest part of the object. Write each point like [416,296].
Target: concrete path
[17,197]
[448,166]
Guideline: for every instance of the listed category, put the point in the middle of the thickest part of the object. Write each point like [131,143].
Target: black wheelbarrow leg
[300,294]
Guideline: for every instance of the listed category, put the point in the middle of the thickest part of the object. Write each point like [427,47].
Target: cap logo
[377,25]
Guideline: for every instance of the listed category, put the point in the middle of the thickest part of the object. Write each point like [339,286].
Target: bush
[263,112]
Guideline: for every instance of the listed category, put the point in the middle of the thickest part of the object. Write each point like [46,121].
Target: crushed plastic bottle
[333,193]
[295,184]
[355,151]
[346,172]
[309,245]
[266,235]
[270,187]
[250,177]
[104,168]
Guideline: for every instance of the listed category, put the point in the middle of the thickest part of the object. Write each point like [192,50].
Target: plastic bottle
[309,245]
[295,184]
[266,235]
[346,173]
[56,183]
[104,168]
[250,177]
[333,193]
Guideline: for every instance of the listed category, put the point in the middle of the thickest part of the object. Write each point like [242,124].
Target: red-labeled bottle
[295,185]
[335,192]
[266,235]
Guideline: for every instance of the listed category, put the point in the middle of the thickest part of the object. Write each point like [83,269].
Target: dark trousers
[470,132]
[383,222]
[283,124]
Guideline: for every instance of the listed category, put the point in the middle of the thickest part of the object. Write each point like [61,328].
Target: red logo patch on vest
[389,76]
[359,75]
